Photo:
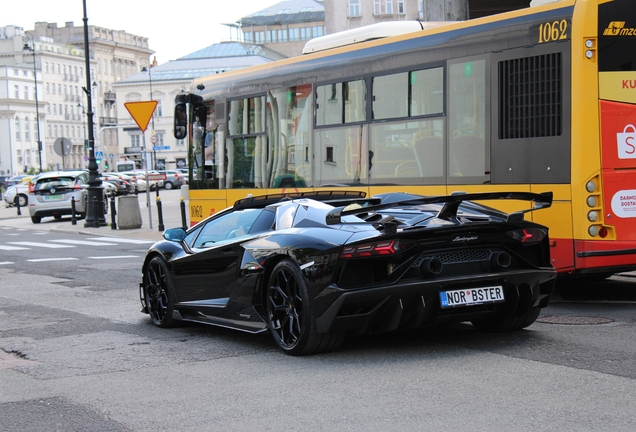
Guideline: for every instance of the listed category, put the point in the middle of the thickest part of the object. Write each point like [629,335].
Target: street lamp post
[95,203]
[79,105]
[26,47]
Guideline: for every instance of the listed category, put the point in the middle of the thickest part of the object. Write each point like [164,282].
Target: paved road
[76,355]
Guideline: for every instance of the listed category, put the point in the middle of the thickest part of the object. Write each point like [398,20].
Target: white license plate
[471,296]
[53,197]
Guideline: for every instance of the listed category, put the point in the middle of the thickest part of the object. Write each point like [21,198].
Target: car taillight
[381,248]
[31,187]
[528,235]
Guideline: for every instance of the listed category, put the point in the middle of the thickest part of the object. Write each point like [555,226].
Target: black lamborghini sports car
[313,267]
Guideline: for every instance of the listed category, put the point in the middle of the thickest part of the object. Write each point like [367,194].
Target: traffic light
[85,143]
[98,161]
[106,165]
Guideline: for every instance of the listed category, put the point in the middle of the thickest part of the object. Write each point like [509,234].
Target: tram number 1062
[553,31]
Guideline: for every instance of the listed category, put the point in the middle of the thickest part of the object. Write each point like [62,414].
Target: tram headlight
[593,230]
[590,186]
[592,216]
[589,43]
[591,201]
[589,54]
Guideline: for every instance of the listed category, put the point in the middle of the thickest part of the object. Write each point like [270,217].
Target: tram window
[427,91]
[341,102]
[343,155]
[355,97]
[329,104]
[467,111]
[246,116]
[390,96]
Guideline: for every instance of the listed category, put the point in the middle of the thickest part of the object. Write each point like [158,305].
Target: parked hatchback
[53,192]
[174,179]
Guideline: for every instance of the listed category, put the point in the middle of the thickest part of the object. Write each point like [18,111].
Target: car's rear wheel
[290,314]
[159,293]
[22,199]
[498,324]
[167,185]
[36,219]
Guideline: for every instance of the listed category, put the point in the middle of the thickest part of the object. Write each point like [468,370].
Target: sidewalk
[171,211]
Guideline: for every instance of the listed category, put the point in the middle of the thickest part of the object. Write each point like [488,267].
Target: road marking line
[113,257]
[12,248]
[5,262]
[85,242]
[44,245]
[52,259]
[124,240]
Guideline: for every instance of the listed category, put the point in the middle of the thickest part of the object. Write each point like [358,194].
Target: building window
[354,8]
[388,6]
[26,92]
[27,130]
[135,140]
[259,37]
[180,143]
[293,34]
[377,8]
[401,7]
[247,36]
[18,135]
[282,35]
[160,139]
[317,31]
[271,36]
[159,109]
[305,33]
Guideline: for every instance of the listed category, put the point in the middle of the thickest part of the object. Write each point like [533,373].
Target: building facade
[286,26]
[115,55]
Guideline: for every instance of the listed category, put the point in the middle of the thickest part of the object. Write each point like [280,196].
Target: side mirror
[180,121]
[175,234]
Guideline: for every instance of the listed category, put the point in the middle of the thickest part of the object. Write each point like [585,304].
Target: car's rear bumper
[417,303]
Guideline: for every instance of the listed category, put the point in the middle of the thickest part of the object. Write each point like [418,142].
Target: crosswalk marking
[84,242]
[5,262]
[12,248]
[52,259]
[113,257]
[124,240]
[44,245]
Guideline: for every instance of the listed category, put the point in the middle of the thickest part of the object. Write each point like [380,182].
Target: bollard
[113,212]
[17,204]
[95,212]
[136,190]
[157,191]
[184,223]
[73,215]
[160,214]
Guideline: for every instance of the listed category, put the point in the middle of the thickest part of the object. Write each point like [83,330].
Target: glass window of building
[354,8]
[388,7]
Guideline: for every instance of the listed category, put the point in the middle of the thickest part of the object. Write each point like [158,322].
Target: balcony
[108,121]
[109,97]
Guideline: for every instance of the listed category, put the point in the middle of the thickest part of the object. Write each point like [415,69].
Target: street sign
[62,146]
[141,112]
[99,154]
[153,139]
[155,148]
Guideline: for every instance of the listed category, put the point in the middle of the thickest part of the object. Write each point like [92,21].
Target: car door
[206,278]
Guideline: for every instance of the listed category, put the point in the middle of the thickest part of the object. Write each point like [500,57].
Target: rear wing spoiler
[451,204]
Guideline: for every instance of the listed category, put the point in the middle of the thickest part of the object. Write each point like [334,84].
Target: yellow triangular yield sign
[141,112]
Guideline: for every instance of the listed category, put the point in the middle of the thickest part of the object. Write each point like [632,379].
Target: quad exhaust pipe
[431,266]
[500,260]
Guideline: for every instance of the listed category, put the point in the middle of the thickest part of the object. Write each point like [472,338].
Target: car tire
[22,199]
[290,314]
[159,293]
[498,324]
[167,185]
[36,219]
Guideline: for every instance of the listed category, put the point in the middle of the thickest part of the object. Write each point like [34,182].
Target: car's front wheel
[167,185]
[290,314]
[159,293]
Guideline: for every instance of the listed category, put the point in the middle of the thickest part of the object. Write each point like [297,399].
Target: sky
[173,29]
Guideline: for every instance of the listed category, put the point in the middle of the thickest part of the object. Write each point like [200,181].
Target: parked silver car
[53,192]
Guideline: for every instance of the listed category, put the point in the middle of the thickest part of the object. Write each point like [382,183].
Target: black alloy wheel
[159,293]
[290,315]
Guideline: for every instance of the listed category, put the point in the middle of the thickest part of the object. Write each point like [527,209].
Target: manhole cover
[574,320]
